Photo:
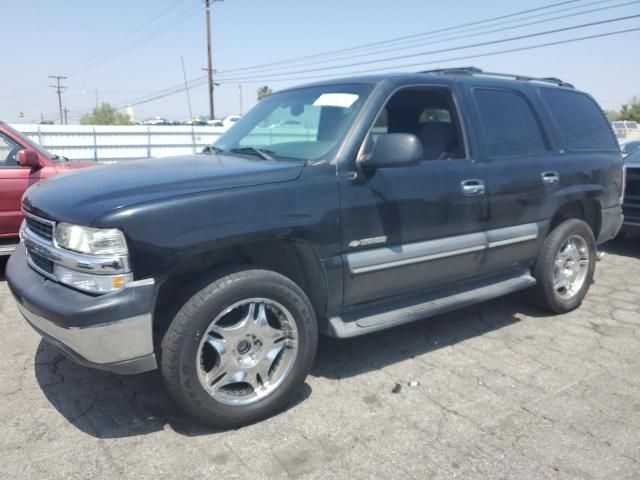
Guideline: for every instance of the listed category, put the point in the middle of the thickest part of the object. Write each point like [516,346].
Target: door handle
[549,178]
[472,187]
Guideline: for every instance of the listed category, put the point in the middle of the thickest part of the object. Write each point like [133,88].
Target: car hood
[74,165]
[85,194]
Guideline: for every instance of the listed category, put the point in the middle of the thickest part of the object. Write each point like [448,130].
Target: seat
[438,140]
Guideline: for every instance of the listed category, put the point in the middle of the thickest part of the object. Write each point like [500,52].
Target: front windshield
[302,124]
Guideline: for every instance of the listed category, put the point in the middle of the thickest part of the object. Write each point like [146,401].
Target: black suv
[382,200]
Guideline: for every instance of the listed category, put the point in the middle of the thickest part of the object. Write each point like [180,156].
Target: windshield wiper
[212,149]
[263,154]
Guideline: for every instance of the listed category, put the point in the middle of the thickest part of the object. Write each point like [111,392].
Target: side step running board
[369,320]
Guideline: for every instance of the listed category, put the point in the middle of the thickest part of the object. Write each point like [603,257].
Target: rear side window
[581,122]
[510,125]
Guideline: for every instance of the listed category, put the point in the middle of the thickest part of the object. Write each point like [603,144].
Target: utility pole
[59,88]
[240,98]
[209,57]
[96,92]
[66,116]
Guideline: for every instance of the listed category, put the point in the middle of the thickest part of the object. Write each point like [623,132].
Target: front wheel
[239,349]
[565,266]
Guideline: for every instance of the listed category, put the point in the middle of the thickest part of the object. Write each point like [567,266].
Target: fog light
[89,282]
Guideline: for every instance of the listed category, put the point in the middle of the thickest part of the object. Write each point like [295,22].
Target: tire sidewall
[545,268]
[206,305]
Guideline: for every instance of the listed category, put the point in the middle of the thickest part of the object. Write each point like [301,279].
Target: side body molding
[399,255]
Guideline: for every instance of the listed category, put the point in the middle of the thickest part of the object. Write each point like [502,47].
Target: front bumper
[109,332]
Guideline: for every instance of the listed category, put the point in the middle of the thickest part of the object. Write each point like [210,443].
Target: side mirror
[394,150]
[29,158]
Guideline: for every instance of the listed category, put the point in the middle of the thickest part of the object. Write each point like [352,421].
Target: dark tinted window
[428,113]
[581,122]
[510,126]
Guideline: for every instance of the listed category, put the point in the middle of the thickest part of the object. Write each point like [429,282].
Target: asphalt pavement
[499,390]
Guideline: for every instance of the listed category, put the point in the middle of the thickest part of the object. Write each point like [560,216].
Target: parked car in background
[627,148]
[408,195]
[22,163]
[286,123]
[631,205]
[626,129]
[155,121]
[230,120]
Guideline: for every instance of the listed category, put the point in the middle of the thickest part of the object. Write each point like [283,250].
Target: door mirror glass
[28,158]
[394,150]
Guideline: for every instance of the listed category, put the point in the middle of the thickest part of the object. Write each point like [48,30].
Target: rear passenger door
[521,175]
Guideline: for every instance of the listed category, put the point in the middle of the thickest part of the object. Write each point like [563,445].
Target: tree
[105,114]
[264,92]
[631,111]
[612,115]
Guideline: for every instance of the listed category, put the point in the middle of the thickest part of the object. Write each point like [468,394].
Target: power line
[458,37]
[451,49]
[143,39]
[125,37]
[415,35]
[412,65]
[221,75]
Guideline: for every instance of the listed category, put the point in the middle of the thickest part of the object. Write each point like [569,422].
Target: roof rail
[478,71]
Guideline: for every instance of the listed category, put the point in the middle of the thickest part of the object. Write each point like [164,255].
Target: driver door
[411,228]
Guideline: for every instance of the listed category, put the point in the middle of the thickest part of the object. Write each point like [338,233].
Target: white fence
[112,143]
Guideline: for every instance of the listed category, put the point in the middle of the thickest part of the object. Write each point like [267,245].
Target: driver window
[8,152]
[429,114]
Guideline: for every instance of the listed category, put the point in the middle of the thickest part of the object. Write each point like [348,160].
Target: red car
[22,163]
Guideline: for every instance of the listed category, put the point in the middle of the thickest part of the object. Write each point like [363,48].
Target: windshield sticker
[341,100]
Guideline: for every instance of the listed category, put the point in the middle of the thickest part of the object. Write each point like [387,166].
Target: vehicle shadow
[105,405]
[627,246]
[3,264]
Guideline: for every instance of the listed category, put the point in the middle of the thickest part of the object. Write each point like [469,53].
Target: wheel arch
[587,209]
[293,258]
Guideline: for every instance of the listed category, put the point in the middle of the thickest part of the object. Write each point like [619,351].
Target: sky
[130,50]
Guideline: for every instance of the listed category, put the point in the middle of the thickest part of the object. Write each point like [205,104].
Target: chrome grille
[42,263]
[41,227]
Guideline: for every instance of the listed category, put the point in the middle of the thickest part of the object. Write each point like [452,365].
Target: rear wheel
[565,266]
[239,349]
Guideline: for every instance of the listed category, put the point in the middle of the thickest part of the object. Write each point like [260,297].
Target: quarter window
[510,126]
[581,122]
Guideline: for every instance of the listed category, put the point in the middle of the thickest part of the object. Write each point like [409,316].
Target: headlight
[89,282]
[94,241]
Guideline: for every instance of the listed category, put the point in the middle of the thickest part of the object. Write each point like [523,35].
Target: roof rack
[478,71]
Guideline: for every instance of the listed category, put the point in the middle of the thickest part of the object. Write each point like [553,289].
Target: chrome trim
[118,341]
[112,264]
[419,252]
[43,220]
[141,283]
[510,241]
[7,249]
[424,258]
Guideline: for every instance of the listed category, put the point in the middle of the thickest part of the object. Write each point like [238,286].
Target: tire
[221,314]
[553,254]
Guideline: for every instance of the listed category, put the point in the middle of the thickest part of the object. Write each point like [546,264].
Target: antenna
[186,90]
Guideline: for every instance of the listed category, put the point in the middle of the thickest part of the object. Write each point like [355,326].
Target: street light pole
[240,98]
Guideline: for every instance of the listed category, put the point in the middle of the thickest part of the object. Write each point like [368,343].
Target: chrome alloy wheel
[247,351]
[571,266]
